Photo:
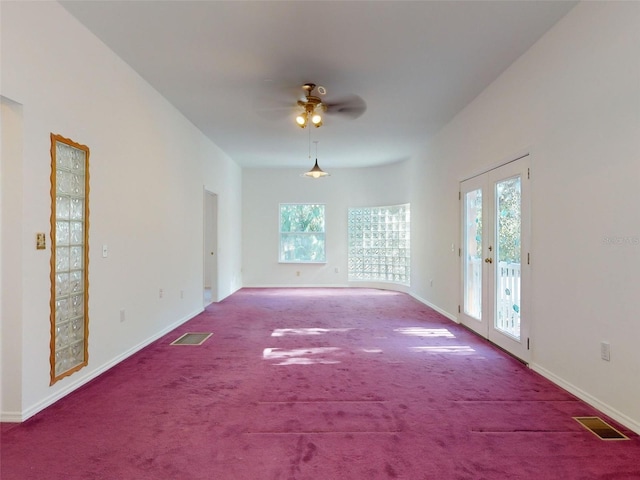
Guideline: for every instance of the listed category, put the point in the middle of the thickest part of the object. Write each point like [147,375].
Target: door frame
[520,348]
[210,247]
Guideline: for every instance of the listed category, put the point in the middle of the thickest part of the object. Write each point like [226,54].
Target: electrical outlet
[161,293]
[605,351]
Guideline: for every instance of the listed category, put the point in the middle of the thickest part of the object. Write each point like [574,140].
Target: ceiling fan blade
[352,106]
[275,100]
[272,108]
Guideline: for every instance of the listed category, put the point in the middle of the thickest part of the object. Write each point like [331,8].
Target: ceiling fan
[313,106]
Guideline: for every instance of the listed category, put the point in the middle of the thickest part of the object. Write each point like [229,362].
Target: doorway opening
[210,253]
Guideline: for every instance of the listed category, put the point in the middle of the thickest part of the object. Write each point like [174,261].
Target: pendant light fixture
[316,171]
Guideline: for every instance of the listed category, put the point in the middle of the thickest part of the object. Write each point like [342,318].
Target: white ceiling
[226,64]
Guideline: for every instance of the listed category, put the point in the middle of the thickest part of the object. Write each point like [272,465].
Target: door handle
[488,260]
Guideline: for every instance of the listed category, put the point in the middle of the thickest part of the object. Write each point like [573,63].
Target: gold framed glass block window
[69,256]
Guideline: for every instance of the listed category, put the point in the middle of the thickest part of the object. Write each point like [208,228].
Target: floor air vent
[600,428]
[192,339]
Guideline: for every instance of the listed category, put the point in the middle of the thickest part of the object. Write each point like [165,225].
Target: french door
[495,256]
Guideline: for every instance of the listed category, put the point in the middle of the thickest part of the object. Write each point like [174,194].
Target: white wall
[148,170]
[11,277]
[263,191]
[573,102]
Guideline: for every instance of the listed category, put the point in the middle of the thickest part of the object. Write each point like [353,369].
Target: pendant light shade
[316,171]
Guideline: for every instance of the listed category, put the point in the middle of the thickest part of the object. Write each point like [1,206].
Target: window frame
[69,331]
[323,233]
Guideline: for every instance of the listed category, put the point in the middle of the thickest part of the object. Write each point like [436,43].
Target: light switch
[41,241]
[104,251]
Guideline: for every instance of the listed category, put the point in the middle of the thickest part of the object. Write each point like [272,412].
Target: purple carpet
[317,384]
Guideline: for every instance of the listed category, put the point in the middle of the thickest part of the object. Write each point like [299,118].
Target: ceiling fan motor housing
[353,106]
[312,105]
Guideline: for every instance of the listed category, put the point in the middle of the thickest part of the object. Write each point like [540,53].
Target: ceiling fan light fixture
[312,105]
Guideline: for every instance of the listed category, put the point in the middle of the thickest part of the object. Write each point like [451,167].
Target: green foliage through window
[508,213]
[302,235]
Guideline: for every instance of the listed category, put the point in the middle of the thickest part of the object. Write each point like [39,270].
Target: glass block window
[302,235]
[379,244]
[69,256]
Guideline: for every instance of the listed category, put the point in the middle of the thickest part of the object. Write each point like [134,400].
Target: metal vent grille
[192,339]
[600,428]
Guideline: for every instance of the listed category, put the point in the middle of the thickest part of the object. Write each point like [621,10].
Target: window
[379,244]
[69,256]
[302,236]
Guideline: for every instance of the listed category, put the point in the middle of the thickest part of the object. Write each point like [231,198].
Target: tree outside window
[302,233]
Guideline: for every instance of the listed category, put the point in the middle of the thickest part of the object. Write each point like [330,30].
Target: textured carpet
[317,384]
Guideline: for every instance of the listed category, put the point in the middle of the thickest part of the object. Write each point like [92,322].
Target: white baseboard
[611,412]
[17,417]
[450,316]
[11,417]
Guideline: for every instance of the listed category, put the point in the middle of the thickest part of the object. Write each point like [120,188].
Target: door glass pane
[473,254]
[508,240]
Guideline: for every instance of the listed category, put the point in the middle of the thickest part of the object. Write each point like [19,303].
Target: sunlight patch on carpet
[455,349]
[425,332]
[192,339]
[301,356]
[281,332]
[600,428]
